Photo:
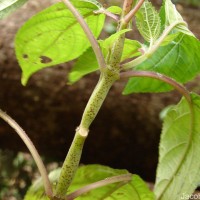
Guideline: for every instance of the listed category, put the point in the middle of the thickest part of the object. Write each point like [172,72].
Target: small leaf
[169,15]
[115,10]
[55,34]
[179,60]
[178,172]
[148,22]
[96,3]
[86,64]
[108,42]
[131,49]
[8,6]
[135,189]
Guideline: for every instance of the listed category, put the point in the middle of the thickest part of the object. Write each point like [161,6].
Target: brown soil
[126,131]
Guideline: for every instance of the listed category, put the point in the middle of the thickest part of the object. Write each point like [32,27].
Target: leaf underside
[148,22]
[8,6]
[169,15]
[54,36]
[178,172]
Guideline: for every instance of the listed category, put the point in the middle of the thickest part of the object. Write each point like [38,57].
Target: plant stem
[100,92]
[127,6]
[160,77]
[120,178]
[71,163]
[130,15]
[109,74]
[107,13]
[32,149]
[118,46]
[88,32]
[72,160]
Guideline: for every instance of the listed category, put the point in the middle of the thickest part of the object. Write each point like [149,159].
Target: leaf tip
[24,80]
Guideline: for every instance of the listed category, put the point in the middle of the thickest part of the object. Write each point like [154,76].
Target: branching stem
[88,32]
[32,149]
[109,74]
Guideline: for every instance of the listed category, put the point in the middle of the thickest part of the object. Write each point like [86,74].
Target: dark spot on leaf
[120,193]
[25,56]
[45,59]
[39,34]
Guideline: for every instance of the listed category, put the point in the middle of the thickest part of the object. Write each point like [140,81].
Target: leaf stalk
[131,14]
[88,32]
[32,149]
[115,179]
[160,77]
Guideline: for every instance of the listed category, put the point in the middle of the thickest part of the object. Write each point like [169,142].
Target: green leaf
[135,189]
[179,60]
[169,15]
[148,22]
[169,38]
[115,10]
[86,64]
[108,42]
[54,36]
[96,3]
[131,49]
[178,172]
[8,6]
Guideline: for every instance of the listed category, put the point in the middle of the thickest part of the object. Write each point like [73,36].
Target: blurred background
[125,133]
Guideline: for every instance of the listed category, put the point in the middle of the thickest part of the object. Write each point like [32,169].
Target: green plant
[168,58]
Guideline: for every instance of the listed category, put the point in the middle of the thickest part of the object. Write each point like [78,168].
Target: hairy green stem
[72,160]
[117,49]
[33,151]
[100,92]
[71,163]
[88,32]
